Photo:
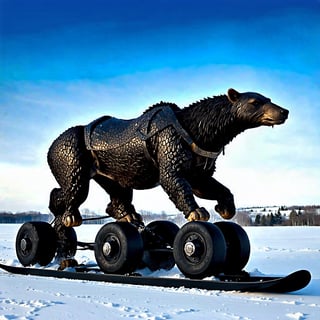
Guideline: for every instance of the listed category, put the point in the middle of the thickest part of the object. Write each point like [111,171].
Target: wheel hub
[25,244]
[110,248]
[193,248]
[106,249]
[189,248]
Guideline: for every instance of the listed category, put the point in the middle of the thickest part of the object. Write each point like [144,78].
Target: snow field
[274,250]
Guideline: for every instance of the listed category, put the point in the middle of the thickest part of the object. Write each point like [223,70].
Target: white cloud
[24,187]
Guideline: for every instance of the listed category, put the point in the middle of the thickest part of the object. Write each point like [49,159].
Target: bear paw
[199,214]
[71,220]
[134,218]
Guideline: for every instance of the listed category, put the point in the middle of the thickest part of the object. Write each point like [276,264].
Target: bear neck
[211,123]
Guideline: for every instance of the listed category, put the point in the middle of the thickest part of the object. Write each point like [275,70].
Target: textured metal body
[176,148]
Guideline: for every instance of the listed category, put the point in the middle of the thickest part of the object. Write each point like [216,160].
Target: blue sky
[64,63]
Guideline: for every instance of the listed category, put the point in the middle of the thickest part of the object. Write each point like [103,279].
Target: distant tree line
[269,220]
[28,216]
[21,217]
[292,216]
[308,217]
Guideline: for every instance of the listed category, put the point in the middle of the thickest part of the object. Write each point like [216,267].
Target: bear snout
[274,115]
[283,114]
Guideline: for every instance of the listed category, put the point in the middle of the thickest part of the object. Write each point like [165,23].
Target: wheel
[36,243]
[72,241]
[67,243]
[199,249]
[66,239]
[238,246]
[118,248]
[158,237]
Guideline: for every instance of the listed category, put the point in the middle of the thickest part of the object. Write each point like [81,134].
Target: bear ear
[233,95]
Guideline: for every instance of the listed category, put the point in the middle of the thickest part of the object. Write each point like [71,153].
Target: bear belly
[129,170]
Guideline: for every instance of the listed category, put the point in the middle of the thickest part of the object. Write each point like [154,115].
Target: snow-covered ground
[275,250]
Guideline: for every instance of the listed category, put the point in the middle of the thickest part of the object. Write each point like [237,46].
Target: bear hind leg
[66,237]
[120,206]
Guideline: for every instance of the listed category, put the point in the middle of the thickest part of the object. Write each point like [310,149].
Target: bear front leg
[174,160]
[226,207]
[206,187]
[180,193]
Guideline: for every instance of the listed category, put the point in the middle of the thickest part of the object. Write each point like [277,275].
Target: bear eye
[256,103]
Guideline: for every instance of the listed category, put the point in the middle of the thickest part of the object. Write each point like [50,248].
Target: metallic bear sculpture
[176,148]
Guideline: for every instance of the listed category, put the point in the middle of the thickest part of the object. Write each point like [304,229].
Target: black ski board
[292,282]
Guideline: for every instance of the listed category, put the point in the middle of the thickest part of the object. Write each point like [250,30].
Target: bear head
[254,109]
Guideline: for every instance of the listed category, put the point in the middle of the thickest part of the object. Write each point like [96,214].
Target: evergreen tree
[257,220]
[278,217]
[264,220]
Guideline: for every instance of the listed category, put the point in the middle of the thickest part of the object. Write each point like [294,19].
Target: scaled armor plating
[176,148]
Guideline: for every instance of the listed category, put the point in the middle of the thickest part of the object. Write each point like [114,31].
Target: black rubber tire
[238,246]
[72,242]
[158,238]
[210,250]
[36,243]
[67,241]
[118,248]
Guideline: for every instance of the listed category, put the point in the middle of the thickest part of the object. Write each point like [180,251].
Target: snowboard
[243,282]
